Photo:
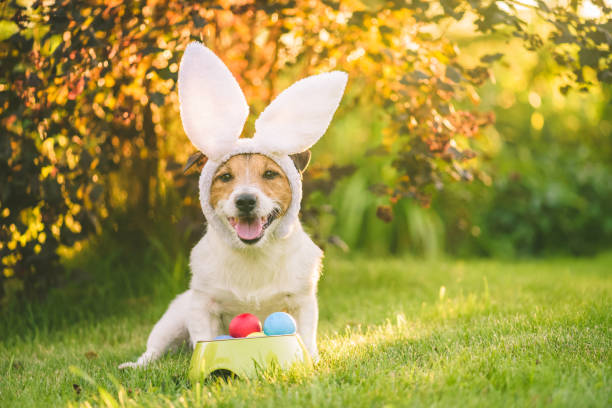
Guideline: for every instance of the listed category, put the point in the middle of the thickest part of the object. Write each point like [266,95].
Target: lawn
[393,332]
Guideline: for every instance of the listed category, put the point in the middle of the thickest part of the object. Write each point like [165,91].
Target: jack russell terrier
[255,257]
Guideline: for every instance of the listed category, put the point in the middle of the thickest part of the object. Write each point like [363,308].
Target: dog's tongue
[249,229]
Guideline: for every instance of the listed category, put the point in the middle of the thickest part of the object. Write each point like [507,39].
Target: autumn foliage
[88,100]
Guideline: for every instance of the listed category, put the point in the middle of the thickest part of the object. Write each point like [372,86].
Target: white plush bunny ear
[300,115]
[213,107]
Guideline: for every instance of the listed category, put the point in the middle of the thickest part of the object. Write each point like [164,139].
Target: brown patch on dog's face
[253,169]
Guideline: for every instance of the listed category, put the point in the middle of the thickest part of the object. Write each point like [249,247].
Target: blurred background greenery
[476,128]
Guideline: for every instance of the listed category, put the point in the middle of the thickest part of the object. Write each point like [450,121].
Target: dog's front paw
[129,364]
[315,358]
[314,355]
[142,361]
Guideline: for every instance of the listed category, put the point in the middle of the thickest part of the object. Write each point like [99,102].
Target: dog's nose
[246,202]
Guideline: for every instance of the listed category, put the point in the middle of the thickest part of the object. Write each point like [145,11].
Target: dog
[255,256]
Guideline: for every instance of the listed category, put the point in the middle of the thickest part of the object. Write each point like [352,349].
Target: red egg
[243,325]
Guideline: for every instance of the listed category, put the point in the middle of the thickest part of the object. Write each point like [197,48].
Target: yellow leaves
[71,158]
[72,224]
[356,54]
[589,74]
[7,29]
[49,46]
[389,137]
[473,95]
[413,123]
[61,95]
[25,3]
[160,62]
[109,80]
[62,140]
[31,217]
[8,272]
[534,99]
[23,239]
[537,120]
[87,23]
[448,125]
[99,98]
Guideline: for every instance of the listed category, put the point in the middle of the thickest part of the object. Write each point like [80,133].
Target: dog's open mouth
[251,229]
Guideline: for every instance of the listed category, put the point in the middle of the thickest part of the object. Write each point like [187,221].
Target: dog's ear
[213,107]
[196,158]
[299,115]
[301,160]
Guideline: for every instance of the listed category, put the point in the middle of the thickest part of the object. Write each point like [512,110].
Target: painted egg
[223,337]
[243,325]
[279,323]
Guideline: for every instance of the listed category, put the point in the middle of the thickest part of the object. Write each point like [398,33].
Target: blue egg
[279,323]
[223,337]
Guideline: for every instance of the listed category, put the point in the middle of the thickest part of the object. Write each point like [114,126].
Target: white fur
[227,281]
[229,277]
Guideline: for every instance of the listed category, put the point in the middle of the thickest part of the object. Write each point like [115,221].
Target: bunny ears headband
[214,111]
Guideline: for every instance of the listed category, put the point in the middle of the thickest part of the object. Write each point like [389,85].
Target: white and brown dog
[255,257]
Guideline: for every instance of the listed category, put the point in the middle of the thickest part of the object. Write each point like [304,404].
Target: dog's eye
[270,174]
[225,177]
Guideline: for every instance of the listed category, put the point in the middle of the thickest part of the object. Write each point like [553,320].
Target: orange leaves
[75,87]
[99,84]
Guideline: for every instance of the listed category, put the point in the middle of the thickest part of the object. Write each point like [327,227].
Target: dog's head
[251,193]
[250,188]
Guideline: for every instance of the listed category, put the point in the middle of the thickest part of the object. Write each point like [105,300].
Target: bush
[549,183]
[88,99]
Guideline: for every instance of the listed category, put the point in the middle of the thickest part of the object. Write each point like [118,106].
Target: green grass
[393,332]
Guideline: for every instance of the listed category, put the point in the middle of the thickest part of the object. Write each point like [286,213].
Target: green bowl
[244,357]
